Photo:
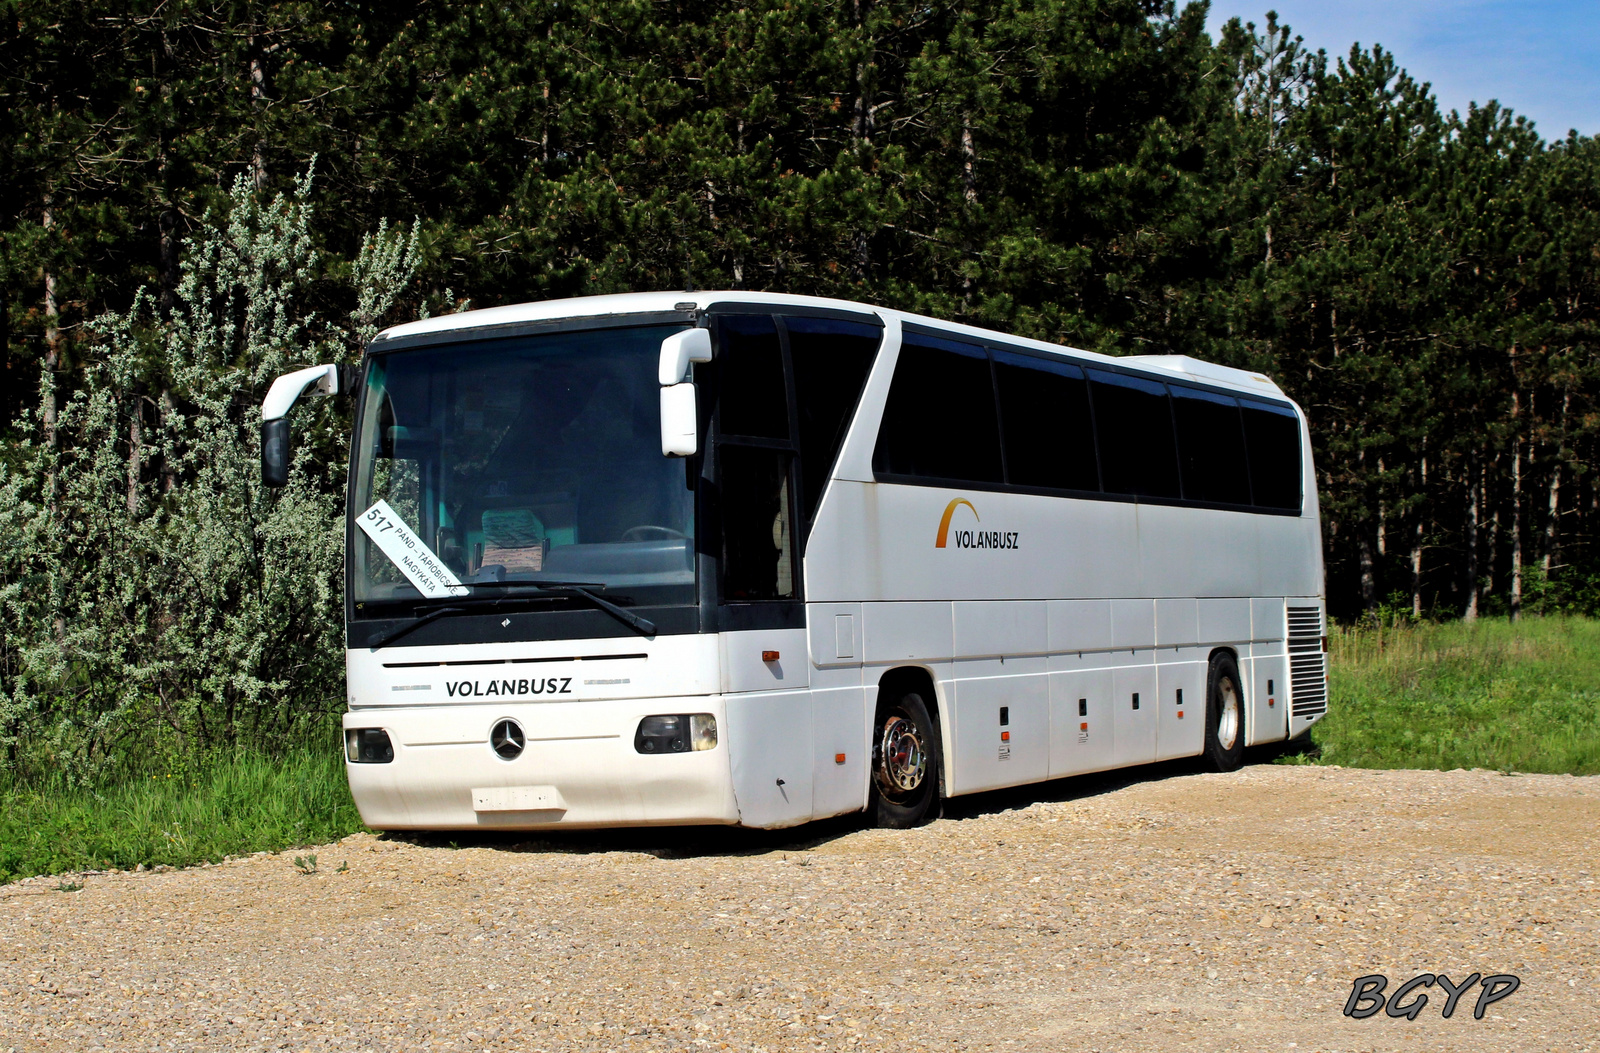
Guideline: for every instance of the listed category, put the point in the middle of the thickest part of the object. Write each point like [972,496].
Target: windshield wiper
[643,626]
[394,634]
[440,612]
[535,582]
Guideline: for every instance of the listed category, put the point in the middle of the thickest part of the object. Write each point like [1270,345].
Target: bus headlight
[676,733]
[367,746]
[703,731]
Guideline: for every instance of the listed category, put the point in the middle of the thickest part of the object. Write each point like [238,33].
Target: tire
[905,764]
[1224,715]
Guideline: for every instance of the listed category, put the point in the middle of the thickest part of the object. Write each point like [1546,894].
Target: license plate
[518,799]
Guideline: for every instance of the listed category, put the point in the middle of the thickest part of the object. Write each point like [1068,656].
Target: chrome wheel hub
[1228,718]
[902,759]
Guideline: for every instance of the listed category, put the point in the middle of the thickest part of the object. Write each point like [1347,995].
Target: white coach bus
[758,559]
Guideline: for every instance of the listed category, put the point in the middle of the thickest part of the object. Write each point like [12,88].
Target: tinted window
[939,421]
[1273,436]
[1045,423]
[749,370]
[1210,447]
[1134,425]
[830,361]
[757,547]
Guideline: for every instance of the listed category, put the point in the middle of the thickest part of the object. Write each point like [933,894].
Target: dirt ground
[1153,910]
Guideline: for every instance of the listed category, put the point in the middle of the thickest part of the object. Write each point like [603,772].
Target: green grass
[1522,697]
[229,806]
[1490,694]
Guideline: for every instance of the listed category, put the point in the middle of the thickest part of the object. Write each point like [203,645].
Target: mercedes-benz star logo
[506,739]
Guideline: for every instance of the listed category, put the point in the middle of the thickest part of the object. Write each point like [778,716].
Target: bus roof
[1178,366]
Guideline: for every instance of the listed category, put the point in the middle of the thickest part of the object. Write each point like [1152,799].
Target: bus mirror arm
[287,389]
[679,413]
[281,397]
[679,349]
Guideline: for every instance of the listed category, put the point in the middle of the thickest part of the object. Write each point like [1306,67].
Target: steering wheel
[645,531]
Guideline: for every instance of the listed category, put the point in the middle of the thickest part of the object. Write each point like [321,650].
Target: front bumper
[579,769]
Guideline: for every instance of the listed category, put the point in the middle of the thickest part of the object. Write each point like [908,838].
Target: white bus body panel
[581,750]
[438,705]
[1161,589]
[841,708]
[579,704]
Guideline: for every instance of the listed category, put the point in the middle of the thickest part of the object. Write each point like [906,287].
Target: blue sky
[1541,58]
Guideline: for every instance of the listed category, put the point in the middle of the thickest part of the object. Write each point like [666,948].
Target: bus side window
[1273,436]
[751,396]
[1045,423]
[1133,420]
[757,544]
[1211,447]
[831,359]
[939,421]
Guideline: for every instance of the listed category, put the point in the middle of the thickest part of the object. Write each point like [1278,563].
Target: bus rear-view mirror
[679,414]
[679,434]
[275,452]
[281,397]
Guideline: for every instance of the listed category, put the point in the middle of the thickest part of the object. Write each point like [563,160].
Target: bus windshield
[525,459]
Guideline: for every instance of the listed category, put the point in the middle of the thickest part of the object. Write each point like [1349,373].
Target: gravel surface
[1163,911]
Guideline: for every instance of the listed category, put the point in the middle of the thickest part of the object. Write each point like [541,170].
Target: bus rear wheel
[1224,715]
[905,763]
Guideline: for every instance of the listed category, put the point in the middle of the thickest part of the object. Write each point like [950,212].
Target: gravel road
[1159,911]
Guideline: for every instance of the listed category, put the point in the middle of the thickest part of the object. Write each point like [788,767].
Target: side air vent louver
[1308,665]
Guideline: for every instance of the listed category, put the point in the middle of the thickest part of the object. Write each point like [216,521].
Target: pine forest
[201,194]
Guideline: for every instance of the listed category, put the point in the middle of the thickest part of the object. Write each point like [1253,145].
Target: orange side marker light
[838,758]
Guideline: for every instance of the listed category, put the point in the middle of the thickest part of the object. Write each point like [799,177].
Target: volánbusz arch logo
[987,539]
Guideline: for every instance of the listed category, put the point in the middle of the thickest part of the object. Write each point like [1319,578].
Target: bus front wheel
[1224,715]
[905,764]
